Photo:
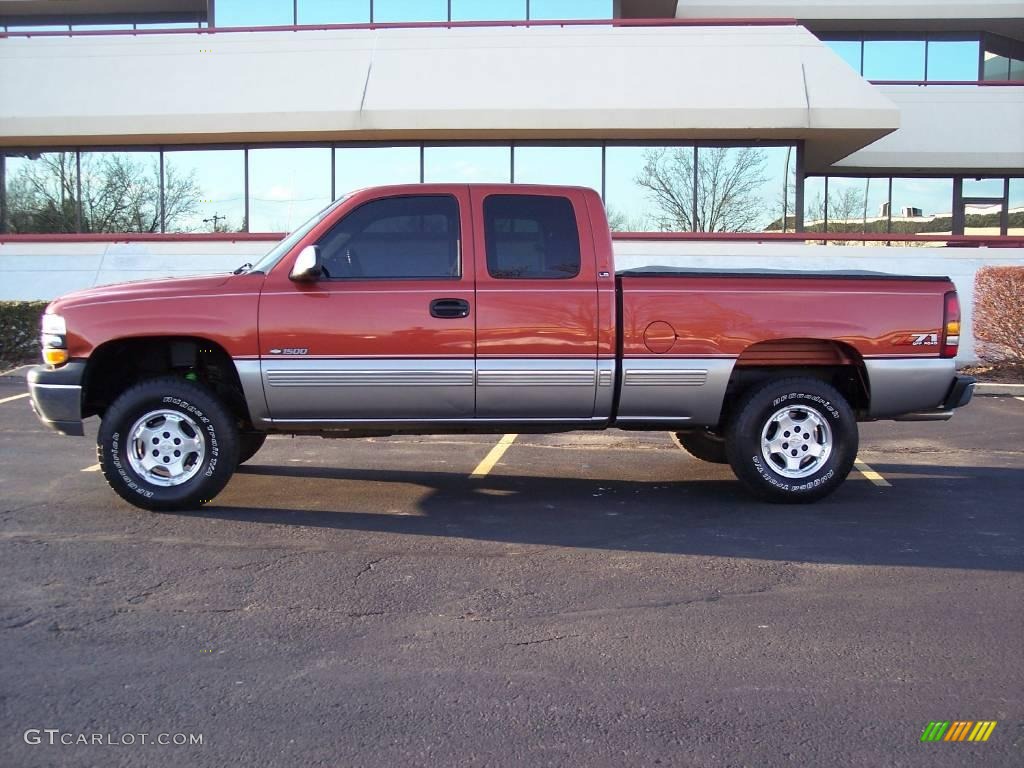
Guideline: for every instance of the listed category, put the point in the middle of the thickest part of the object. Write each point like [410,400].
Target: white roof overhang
[657,83]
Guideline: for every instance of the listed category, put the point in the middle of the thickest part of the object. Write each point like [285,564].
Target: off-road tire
[249,444]
[217,432]
[754,426]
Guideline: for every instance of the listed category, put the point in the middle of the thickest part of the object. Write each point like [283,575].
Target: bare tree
[118,194]
[620,221]
[41,196]
[728,184]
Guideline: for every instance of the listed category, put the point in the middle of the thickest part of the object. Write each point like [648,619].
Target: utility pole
[216,218]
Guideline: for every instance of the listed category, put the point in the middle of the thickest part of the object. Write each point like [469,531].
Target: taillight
[950,325]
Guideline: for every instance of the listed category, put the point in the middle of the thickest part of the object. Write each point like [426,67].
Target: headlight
[54,325]
[54,340]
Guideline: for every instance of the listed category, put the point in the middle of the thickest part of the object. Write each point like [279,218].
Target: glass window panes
[246,13]
[395,238]
[120,191]
[571,166]
[636,198]
[953,59]
[738,189]
[983,219]
[975,187]
[570,9]
[922,206]
[531,237]
[814,204]
[467,164]
[1016,211]
[38,28]
[41,193]
[1016,69]
[333,11]
[858,204]
[894,59]
[410,10]
[287,186]
[488,10]
[995,67]
[204,191]
[848,50]
[359,167]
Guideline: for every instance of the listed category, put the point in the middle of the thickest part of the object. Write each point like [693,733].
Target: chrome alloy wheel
[165,448]
[796,441]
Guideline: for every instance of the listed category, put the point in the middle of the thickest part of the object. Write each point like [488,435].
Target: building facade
[168,136]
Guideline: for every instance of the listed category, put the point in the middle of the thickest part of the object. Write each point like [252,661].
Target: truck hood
[169,287]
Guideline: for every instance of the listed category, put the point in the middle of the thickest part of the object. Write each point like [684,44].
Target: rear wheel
[704,445]
[792,440]
[167,444]
[249,444]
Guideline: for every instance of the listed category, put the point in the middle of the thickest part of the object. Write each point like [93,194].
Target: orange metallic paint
[711,316]
[370,318]
[219,308]
[723,315]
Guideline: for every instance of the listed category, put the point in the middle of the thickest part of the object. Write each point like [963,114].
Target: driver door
[387,333]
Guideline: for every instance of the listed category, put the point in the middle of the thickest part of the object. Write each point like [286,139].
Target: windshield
[278,251]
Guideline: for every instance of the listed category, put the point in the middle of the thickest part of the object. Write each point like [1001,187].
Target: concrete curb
[998,390]
[15,374]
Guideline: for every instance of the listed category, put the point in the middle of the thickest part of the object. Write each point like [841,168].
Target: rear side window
[531,237]
[415,237]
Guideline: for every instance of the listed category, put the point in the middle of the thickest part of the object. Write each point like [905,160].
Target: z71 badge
[920,340]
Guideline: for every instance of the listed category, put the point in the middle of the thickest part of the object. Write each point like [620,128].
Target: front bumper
[56,395]
[960,393]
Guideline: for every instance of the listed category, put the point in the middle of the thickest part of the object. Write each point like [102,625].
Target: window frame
[486,233]
[459,251]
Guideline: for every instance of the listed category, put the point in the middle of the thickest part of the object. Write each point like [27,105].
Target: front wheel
[792,440]
[167,444]
[249,444]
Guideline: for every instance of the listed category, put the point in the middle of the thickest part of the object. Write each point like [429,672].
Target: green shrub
[19,331]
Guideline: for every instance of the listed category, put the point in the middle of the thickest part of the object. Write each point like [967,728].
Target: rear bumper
[959,395]
[56,395]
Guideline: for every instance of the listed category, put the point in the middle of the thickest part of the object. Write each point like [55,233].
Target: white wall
[850,9]
[44,271]
[775,82]
[952,127]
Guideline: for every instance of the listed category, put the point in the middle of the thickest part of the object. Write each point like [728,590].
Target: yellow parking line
[93,468]
[871,475]
[13,397]
[494,456]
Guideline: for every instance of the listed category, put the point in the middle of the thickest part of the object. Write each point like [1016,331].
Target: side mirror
[307,268]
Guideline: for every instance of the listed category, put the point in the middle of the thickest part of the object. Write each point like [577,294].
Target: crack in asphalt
[543,640]
[368,568]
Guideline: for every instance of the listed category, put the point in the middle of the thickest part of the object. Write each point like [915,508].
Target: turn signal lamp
[55,356]
[950,325]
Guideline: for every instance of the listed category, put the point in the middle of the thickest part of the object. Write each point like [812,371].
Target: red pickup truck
[441,308]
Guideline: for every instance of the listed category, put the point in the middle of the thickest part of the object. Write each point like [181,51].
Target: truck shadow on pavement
[939,517]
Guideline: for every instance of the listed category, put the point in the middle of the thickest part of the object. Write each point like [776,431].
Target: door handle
[449,308]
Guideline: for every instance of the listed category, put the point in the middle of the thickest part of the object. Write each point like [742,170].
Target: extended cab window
[396,238]
[531,237]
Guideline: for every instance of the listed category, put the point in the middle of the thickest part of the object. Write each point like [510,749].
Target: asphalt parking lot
[593,599]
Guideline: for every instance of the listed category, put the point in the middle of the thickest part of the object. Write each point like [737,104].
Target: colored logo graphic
[958,730]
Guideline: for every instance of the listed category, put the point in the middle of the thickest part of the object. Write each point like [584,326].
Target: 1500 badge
[290,351]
